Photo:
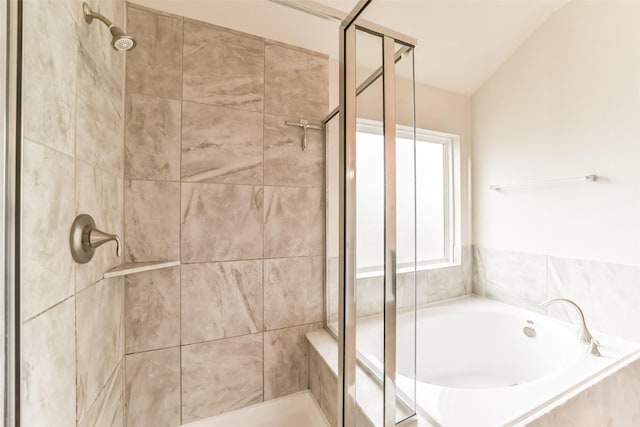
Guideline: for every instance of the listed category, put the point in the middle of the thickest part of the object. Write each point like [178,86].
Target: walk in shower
[217,212]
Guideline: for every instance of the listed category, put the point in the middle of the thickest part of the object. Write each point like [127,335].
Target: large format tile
[221,300]
[323,384]
[99,194]
[223,67]
[516,278]
[152,388]
[286,361]
[155,66]
[294,283]
[48,368]
[479,271]
[609,294]
[446,283]
[152,315]
[94,39]
[285,163]
[294,222]
[221,145]
[220,376]
[99,338]
[152,138]
[99,117]
[108,408]
[151,221]
[296,82]
[610,402]
[48,210]
[49,80]
[221,222]
[369,295]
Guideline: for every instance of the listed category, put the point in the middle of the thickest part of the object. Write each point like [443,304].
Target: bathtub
[484,363]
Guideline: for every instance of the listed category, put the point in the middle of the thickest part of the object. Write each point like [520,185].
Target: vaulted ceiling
[461,43]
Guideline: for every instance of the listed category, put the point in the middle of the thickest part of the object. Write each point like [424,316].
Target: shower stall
[76,330]
[370,221]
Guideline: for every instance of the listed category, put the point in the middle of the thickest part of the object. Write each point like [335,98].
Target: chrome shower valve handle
[85,238]
[97,238]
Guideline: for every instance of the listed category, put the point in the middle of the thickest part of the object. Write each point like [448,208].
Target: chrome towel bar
[589,178]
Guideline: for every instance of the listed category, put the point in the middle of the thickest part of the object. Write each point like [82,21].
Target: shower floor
[295,410]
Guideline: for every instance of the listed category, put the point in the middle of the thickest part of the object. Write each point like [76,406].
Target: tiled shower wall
[609,294]
[214,178]
[73,162]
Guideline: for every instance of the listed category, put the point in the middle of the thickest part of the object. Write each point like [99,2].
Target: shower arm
[89,15]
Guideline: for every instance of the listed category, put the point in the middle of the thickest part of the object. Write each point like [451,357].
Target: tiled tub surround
[431,285]
[609,294]
[215,178]
[576,376]
[73,161]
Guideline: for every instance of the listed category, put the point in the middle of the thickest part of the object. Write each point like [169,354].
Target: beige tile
[152,316]
[369,295]
[221,300]
[152,138]
[108,408]
[152,388]
[220,376]
[99,117]
[48,210]
[151,221]
[239,83]
[49,80]
[99,338]
[516,278]
[479,271]
[95,40]
[155,66]
[221,145]
[296,83]
[608,294]
[294,283]
[294,222]
[99,194]
[286,361]
[48,368]
[284,161]
[221,222]
[445,283]
[611,402]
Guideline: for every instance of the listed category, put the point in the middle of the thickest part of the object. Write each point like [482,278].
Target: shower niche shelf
[138,267]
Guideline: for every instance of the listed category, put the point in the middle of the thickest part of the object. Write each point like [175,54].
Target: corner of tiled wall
[72,319]
[215,179]
[607,292]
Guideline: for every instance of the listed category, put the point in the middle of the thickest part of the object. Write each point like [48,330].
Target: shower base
[295,410]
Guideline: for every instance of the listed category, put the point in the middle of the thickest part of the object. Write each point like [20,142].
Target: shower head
[120,41]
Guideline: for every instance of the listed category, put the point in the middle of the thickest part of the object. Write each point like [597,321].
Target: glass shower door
[377,235]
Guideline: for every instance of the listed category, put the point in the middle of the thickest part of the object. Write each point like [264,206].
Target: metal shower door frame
[346,408]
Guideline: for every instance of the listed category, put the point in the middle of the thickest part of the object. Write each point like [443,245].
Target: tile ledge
[138,267]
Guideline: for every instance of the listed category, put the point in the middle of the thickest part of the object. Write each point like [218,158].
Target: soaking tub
[484,363]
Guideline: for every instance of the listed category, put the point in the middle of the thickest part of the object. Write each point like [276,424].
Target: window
[433,236]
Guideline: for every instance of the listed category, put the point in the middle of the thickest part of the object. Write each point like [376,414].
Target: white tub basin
[489,350]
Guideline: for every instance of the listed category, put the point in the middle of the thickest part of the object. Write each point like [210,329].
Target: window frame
[451,192]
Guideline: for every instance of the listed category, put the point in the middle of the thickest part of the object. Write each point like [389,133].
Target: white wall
[567,103]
